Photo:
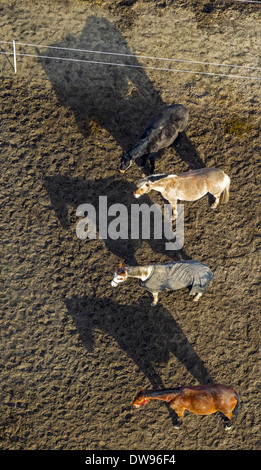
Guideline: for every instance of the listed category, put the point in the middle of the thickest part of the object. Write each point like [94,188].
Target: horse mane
[154,178]
[166,391]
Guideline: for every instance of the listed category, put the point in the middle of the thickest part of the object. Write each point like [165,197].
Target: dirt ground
[74,351]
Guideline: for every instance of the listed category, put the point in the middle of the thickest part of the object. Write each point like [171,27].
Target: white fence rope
[133,55]
[15,54]
[138,56]
[15,68]
[248,1]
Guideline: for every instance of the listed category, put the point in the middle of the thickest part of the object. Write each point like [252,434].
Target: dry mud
[73,349]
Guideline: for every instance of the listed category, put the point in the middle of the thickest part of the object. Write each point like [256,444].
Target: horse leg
[197,297]
[230,410]
[178,423]
[143,165]
[152,164]
[174,210]
[227,422]
[155,298]
[228,419]
[141,162]
[176,142]
[216,202]
[180,413]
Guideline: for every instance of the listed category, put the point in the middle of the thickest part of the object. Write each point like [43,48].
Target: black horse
[113,97]
[162,132]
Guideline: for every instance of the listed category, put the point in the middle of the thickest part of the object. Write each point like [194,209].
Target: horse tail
[225,193]
[237,407]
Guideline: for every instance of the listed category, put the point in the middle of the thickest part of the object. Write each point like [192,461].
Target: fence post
[15,68]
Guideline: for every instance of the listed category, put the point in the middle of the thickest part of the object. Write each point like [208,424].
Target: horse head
[140,399]
[143,187]
[126,162]
[119,276]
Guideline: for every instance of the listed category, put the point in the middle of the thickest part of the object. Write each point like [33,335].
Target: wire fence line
[39,56]
[136,56]
[248,1]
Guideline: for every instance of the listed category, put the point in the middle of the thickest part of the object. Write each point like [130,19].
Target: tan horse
[188,186]
[198,399]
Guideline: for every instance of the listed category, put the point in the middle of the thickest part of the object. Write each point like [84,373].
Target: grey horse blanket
[177,275]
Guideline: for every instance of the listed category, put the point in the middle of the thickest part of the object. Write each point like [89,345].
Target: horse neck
[160,185]
[157,186]
[140,272]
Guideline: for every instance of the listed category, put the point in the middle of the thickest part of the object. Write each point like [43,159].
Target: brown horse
[188,186]
[199,399]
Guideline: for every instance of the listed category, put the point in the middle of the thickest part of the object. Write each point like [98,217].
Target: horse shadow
[68,193]
[146,337]
[117,98]
[188,153]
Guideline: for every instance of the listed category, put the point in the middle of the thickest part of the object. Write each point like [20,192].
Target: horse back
[195,183]
[207,399]
[164,129]
[215,174]
[216,390]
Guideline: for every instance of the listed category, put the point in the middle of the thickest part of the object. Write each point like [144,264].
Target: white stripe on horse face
[143,189]
[117,280]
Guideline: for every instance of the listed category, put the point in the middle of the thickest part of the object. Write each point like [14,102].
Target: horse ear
[121,269]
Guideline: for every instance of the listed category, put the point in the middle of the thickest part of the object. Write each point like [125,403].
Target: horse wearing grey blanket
[170,276]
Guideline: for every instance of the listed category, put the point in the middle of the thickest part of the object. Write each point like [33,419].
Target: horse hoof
[197,297]
[228,427]
[153,305]
[177,425]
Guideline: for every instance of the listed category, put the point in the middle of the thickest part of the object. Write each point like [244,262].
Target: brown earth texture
[74,351]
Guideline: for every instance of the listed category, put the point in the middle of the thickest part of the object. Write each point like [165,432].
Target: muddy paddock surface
[74,351]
